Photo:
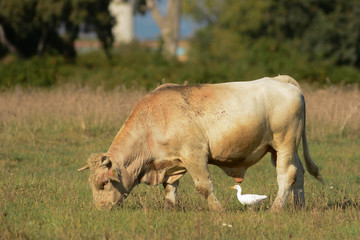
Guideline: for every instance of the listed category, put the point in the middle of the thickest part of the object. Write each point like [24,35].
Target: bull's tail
[310,165]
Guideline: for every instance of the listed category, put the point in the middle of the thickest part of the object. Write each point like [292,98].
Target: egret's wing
[250,199]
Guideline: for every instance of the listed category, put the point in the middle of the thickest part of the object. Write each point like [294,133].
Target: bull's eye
[108,186]
[103,185]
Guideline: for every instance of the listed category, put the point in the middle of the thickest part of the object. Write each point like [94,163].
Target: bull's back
[233,119]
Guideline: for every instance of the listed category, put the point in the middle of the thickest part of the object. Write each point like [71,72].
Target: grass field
[45,135]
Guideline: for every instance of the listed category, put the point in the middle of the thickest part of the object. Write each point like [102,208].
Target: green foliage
[32,26]
[318,33]
[131,66]
[221,55]
[326,30]
[38,72]
[313,41]
[215,57]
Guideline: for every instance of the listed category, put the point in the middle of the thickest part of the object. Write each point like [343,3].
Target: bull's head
[110,186]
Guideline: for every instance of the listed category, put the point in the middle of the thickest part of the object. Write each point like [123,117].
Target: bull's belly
[240,138]
[244,148]
[238,157]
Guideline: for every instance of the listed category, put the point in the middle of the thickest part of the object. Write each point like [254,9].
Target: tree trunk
[43,39]
[169,25]
[7,43]
[123,30]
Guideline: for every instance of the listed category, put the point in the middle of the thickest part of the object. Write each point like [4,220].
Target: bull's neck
[129,154]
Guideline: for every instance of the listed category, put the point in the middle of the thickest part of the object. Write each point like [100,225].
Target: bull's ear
[105,161]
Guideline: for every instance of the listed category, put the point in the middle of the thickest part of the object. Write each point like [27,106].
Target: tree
[169,24]
[327,30]
[230,26]
[30,27]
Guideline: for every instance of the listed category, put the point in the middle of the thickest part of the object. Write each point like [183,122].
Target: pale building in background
[123,12]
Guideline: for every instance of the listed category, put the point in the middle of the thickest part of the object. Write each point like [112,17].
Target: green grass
[42,196]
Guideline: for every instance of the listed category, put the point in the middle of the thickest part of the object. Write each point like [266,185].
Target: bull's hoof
[216,207]
[276,208]
[299,205]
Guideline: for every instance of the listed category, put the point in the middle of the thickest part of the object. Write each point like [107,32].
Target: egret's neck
[239,192]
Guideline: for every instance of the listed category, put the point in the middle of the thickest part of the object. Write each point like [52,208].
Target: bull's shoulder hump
[165,94]
[175,91]
[177,87]
[166,86]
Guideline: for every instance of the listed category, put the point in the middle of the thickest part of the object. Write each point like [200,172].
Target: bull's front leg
[170,194]
[203,183]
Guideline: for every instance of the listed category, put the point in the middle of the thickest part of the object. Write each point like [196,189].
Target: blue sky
[146,28]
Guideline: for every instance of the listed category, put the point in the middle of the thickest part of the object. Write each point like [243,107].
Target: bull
[177,129]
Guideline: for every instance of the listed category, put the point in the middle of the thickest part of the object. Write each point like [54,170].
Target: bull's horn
[113,176]
[114,179]
[105,162]
[83,168]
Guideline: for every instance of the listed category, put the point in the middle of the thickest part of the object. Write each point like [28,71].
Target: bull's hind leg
[290,176]
[200,173]
[287,162]
[286,176]
[170,197]
[298,186]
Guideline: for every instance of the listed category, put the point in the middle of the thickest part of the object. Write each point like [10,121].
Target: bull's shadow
[338,198]
[344,204]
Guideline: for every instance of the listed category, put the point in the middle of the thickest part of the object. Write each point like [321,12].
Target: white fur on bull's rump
[177,129]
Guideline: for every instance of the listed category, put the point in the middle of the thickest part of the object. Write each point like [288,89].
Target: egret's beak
[232,187]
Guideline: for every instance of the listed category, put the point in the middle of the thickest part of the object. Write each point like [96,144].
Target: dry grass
[45,135]
[24,113]
[80,107]
[334,110]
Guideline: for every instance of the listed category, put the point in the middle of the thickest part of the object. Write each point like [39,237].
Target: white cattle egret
[248,199]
